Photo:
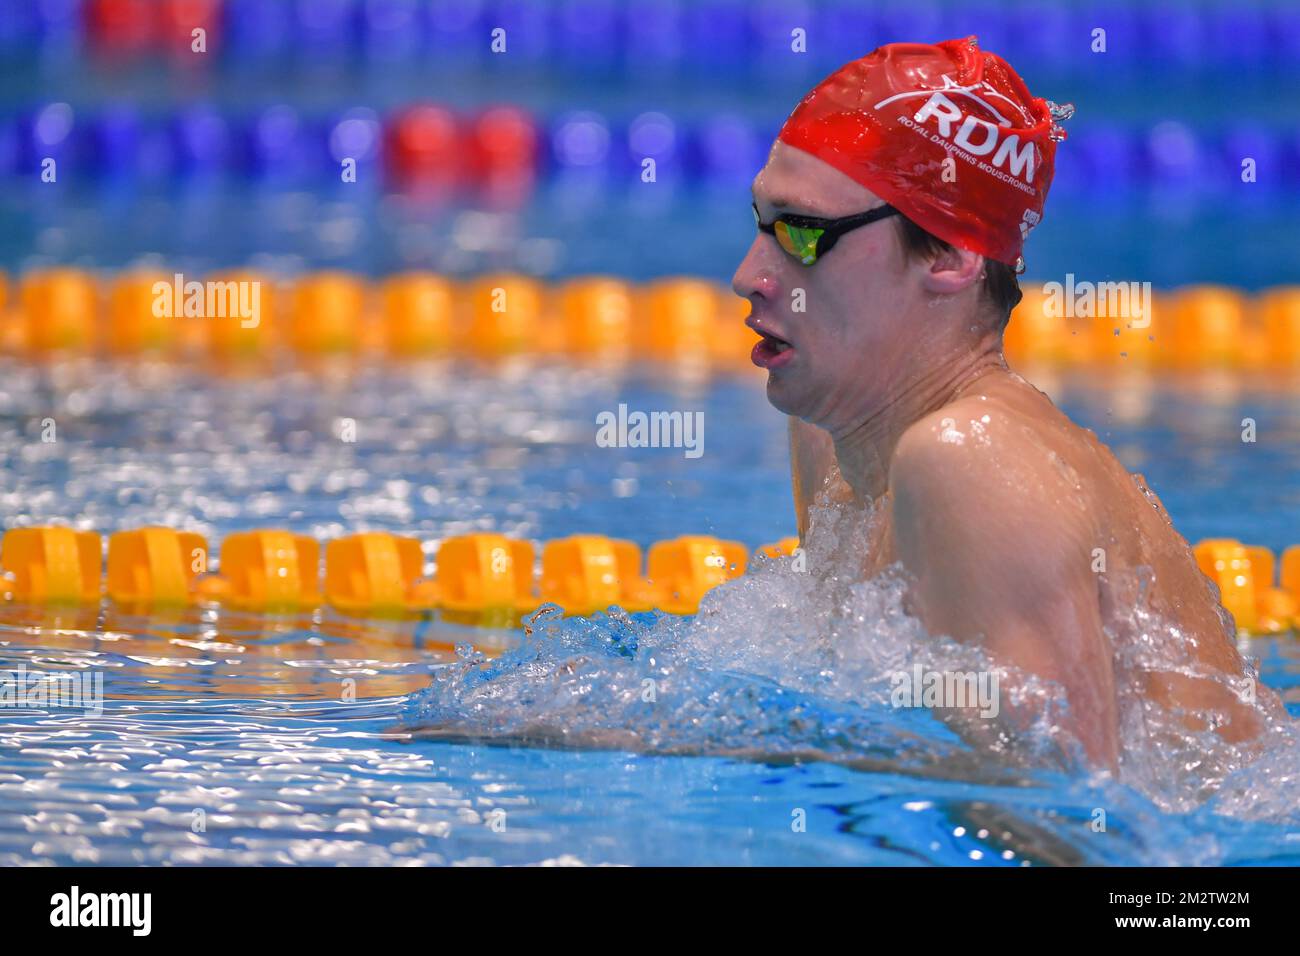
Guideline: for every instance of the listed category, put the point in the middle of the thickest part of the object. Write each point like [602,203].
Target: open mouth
[771,351]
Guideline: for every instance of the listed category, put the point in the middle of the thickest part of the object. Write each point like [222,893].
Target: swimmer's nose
[752,276]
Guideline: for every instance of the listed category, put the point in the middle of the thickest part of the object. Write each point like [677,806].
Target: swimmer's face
[851,319]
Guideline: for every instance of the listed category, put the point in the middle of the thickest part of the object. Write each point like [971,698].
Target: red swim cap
[891,120]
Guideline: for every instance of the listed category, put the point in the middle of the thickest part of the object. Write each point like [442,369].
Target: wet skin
[1018,529]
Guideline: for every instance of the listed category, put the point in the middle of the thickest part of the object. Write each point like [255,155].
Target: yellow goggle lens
[800,243]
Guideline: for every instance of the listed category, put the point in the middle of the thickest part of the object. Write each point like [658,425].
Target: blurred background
[529,159]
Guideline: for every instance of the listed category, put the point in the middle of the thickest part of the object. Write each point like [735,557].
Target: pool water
[234,738]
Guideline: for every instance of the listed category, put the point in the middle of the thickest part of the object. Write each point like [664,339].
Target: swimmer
[892,212]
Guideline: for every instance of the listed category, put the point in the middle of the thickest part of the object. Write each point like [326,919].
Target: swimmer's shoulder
[973,432]
[976,483]
[1004,446]
[1002,414]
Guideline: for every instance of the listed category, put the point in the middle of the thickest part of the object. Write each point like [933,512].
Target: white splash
[790,662]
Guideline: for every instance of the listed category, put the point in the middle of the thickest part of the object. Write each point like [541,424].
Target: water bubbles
[469,654]
[1060,111]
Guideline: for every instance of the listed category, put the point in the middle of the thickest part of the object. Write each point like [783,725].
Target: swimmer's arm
[812,455]
[1002,556]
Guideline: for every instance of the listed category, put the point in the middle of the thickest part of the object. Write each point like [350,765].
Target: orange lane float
[326,314]
[374,573]
[418,309]
[686,568]
[243,327]
[676,319]
[52,565]
[267,569]
[155,566]
[596,316]
[691,321]
[484,572]
[780,549]
[1244,575]
[478,578]
[1227,564]
[1278,324]
[1209,327]
[506,316]
[1275,607]
[134,324]
[58,311]
[586,573]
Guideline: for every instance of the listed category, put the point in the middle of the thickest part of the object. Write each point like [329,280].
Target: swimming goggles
[807,237]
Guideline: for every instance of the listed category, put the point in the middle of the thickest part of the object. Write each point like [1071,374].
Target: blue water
[288,732]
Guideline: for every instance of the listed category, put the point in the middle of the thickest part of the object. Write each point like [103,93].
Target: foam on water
[796,660]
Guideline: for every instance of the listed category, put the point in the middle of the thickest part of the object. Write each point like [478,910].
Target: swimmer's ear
[953,270]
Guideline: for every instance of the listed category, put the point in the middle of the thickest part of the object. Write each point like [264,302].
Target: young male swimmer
[892,212]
